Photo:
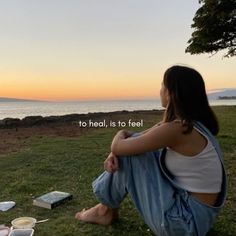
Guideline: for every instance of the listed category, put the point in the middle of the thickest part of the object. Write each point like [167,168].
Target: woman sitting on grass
[173,171]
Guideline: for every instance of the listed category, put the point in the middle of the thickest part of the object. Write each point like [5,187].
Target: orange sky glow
[84,50]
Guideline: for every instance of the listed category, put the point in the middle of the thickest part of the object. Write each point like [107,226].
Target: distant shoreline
[19,100]
[227,97]
[29,121]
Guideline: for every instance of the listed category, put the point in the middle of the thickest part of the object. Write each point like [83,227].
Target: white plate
[4,231]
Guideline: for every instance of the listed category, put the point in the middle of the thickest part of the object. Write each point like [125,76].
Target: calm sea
[23,109]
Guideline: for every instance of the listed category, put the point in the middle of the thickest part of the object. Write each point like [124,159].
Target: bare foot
[99,214]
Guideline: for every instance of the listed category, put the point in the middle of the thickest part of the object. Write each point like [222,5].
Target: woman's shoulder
[176,125]
[171,129]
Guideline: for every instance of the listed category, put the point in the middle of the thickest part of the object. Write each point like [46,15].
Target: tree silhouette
[214,28]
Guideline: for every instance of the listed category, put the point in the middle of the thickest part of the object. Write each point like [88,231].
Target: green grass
[71,164]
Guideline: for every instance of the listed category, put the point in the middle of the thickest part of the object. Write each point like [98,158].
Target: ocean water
[23,109]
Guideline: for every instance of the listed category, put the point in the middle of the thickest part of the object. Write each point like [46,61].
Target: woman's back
[195,165]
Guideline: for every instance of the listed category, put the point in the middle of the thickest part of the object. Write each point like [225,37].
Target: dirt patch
[13,139]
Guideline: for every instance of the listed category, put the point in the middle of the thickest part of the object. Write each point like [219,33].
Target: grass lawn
[70,164]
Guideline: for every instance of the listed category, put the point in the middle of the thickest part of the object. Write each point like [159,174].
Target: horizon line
[9,99]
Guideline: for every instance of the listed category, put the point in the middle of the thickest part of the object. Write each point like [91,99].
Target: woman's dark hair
[187,99]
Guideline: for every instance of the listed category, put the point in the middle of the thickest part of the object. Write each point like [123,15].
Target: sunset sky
[99,49]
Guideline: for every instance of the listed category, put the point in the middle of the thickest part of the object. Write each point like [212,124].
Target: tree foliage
[214,28]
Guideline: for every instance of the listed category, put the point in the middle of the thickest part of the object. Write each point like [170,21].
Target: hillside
[3,99]
[222,93]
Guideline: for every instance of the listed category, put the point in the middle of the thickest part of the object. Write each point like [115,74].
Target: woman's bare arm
[154,138]
[158,124]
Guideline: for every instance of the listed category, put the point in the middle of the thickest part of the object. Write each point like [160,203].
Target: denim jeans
[167,209]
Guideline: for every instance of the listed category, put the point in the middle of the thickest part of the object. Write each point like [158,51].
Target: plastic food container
[22,232]
[23,223]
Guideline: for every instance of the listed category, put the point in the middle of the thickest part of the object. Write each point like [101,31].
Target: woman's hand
[111,163]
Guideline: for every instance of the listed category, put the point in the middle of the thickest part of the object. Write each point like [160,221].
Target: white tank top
[201,173]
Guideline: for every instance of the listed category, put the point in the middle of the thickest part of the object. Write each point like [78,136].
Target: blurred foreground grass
[71,164]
